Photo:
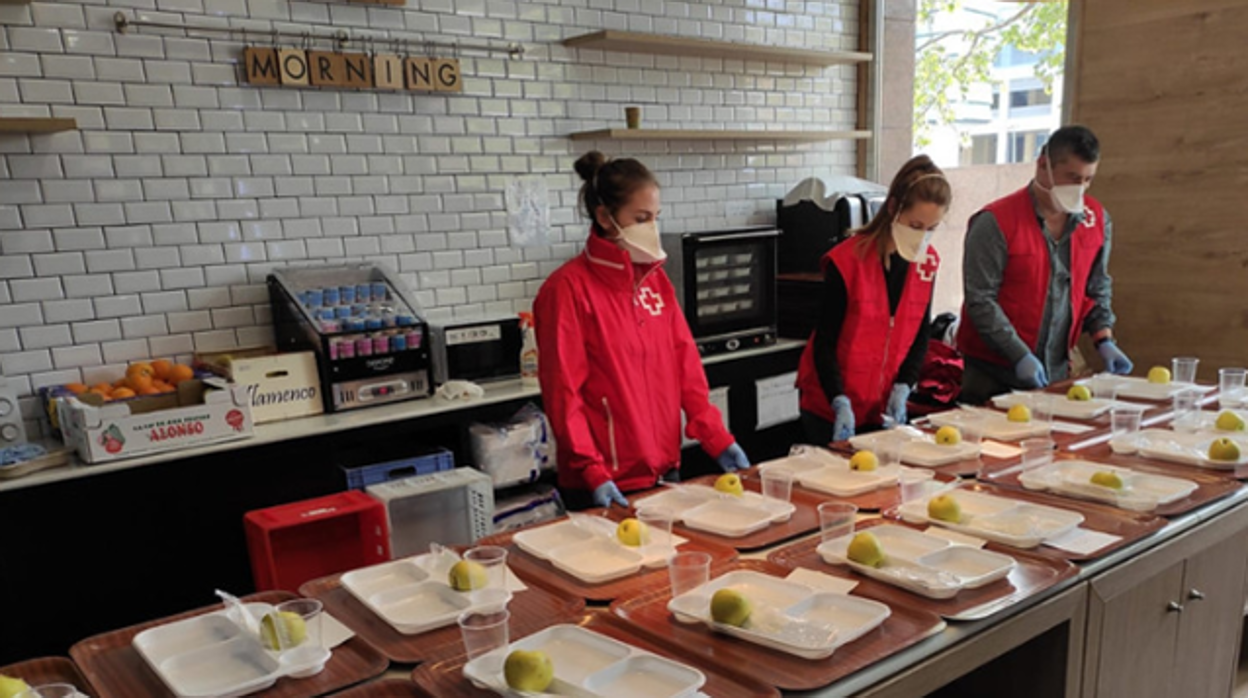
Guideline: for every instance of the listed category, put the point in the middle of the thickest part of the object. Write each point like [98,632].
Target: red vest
[1025,283]
[872,344]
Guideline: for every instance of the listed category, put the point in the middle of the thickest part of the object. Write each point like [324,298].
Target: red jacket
[617,366]
[873,343]
[1025,283]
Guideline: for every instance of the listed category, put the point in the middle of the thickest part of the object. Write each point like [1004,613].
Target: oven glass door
[731,282]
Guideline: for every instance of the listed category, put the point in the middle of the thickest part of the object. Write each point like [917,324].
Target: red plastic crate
[293,543]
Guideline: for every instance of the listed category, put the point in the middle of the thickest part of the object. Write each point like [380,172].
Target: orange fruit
[76,388]
[150,390]
[141,368]
[161,368]
[97,391]
[139,381]
[122,393]
[180,373]
[102,388]
[123,383]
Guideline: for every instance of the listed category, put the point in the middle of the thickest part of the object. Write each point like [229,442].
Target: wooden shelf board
[635,42]
[642,134]
[34,124]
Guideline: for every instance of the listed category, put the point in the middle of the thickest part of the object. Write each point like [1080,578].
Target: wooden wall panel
[1165,86]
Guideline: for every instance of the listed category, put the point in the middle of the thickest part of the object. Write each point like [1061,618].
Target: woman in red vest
[864,355]
[618,363]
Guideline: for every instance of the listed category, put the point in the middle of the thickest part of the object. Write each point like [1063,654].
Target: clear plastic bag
[516,451]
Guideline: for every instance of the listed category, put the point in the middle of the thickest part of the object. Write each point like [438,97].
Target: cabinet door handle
[1174,607]
[1196,595]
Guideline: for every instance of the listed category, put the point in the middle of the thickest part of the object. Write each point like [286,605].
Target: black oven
[726,283]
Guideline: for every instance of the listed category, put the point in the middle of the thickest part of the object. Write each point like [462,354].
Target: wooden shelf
[634,42]
[25,124]
[642,134]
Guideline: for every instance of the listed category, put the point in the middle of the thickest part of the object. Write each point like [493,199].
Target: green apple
[1159,375]
[466,575]
[730,484]
[1107,478]
[948,436]
[730,607]
[944,508]
[632,533]
[1224,450]
[865,549]
[292,633]
[1079,393]
[864,461]
[529,671]
[1019,413]
[1229,421]
[11,686]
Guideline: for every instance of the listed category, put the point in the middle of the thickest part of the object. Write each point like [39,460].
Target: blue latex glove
[843,427]
[895,412]
[1030,372]
[733,459]
[1116,362]
[607,494]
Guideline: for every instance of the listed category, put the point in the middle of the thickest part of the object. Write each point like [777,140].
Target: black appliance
[726,283]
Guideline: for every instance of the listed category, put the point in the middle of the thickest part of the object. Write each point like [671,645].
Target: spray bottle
[528,352]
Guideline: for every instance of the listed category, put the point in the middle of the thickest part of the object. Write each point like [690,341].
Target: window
[996,101]
[982,151]
[1025,146]
[1029,98]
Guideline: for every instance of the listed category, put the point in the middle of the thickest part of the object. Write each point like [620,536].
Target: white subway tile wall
[150,230]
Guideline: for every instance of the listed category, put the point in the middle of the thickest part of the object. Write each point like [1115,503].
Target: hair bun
[588,165]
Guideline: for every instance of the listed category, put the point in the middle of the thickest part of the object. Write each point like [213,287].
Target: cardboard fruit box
[281,386]
[199,412]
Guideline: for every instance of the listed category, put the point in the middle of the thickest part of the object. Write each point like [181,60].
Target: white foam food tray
[924,564]
[1058,405]
[1140,491]
[785,616]
[1179,447]
[1139,388]
[705,509]
[1206,420]
[549,542]
[590,665]
[212,656]
[1007,521]
[919,448]
[413,594]
[990,424]
[831,473]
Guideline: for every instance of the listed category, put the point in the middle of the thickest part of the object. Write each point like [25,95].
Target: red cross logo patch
[651,301]
[1089,218]
[929,265]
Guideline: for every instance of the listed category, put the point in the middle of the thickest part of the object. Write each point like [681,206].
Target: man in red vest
[1035,275]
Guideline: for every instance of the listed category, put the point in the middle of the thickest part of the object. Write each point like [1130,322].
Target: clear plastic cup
[1186,411]
[1037,453]
[494,560]
[311,652]
[888,449]
[1104,388]
[688,571]
[1231,387]
[657,538]
[1124,420]
[778,484]
[1042,407]
[52,690]
[484,631]
[914,483]
[1183,369]
[836,520]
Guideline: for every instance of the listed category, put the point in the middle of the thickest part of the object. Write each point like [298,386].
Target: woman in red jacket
[863,358]
[618,364]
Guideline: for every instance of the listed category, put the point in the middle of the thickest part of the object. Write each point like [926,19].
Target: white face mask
[1068,197]
[911,242]
[642,242]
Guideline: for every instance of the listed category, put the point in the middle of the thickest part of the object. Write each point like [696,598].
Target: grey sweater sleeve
[983,267]
[1101,287]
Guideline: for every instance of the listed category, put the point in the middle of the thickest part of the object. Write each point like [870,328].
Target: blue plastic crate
[433,462]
